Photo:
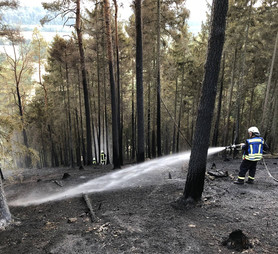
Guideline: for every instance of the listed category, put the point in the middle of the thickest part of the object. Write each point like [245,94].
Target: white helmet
[254,130]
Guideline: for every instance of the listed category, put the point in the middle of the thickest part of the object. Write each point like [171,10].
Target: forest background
[69,114]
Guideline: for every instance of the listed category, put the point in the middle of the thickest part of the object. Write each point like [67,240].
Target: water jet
[128,177]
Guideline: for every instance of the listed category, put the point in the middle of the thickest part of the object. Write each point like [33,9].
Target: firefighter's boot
[250,180]
[239,181]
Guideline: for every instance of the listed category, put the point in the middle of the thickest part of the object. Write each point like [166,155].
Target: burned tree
[197,164]
[139,83]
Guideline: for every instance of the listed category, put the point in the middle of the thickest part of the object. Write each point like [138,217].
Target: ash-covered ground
[139,218]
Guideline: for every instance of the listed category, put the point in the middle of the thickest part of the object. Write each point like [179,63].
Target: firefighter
[102,158]
[252,153]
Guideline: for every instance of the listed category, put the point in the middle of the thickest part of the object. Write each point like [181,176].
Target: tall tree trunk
[24,134]
[98,91]
[274,129]
[69,118]
[180,111]
[149,122]
[105,116]
[241,81]
[175,118]
[115,125]
[99,104]
[250,115]
[264,122]
[54,156]
[133,126]
[43,157]
[84,155]
[118,84]
[216,128]
[106,122]
[197,164]
[78,147]
[227,127]
[153,135]
[94,132]
[158,101]
[85,85]
[139,84]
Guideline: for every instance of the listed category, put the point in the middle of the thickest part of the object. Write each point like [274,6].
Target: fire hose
[271,176]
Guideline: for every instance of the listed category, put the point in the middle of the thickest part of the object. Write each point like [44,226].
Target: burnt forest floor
[141,219]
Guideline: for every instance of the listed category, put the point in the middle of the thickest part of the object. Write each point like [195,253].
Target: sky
[197,10]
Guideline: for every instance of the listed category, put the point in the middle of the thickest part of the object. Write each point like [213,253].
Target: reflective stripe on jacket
[255,149]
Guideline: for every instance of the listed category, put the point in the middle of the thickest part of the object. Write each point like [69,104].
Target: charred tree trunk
[264,122]
[85,85]
[175,118]
[197,165]
[216,128]
[78,139]
[118,84]
[133,126]
[180,111]
[98,91]
[149,122]
[115,125]
[84,155]
[158,101]
[54,156]
[241,82]
[139,84]
[69,117]
[227,127]
[99,105]
[24,134]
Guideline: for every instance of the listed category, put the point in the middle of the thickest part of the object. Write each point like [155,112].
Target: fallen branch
[89,205]
[58,183]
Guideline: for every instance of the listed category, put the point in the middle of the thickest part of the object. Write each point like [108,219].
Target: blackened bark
[133,131]
[227,126]
[149,122]
[158,116]
[175,118]
[180,111]
[115,125]
[197,165]
[118,84]
[78,140]
[69,115]
[139,83]
[84,155]
[89,153]
[216,128]
[24,134]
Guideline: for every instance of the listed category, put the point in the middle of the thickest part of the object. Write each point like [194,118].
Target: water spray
[128,177]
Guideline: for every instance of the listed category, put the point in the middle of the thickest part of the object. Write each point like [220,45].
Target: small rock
[72,220]
[192,226]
